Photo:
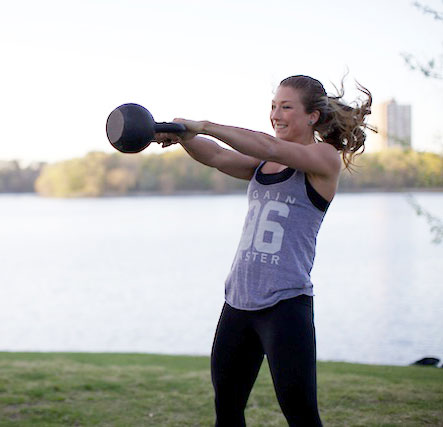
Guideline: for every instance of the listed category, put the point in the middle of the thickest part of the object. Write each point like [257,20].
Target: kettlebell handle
[165,127]
[130,128]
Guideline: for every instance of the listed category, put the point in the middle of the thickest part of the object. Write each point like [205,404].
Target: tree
[82,177]
[15,178]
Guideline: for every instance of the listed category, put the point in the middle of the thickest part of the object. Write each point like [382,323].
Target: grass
[88,389]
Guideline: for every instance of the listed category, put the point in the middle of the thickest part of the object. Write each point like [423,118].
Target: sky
[67,64]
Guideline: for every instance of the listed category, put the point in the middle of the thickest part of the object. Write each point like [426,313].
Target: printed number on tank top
[271,245]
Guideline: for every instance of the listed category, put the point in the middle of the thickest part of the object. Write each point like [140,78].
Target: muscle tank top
[277,247]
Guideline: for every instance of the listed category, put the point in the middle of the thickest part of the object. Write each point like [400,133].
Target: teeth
[281,126]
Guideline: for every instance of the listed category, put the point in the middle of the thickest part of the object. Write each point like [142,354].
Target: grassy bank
[55,389]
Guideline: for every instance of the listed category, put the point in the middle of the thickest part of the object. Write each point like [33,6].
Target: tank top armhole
[272,178]
[316,199]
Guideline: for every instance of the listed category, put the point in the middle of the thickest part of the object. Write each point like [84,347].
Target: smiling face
[289,118]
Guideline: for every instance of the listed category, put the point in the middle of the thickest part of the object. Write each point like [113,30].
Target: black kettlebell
[130,128]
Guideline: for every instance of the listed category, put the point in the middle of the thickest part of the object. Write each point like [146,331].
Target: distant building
[393,123]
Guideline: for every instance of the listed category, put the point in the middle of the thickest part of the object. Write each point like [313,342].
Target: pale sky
[67,64]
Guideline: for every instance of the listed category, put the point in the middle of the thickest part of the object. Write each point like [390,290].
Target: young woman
[269,295]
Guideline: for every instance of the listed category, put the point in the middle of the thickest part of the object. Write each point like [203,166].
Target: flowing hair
[341,125]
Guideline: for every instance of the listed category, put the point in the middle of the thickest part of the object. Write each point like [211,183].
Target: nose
[275,113]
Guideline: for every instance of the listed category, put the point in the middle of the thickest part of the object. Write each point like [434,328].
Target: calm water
[147,275]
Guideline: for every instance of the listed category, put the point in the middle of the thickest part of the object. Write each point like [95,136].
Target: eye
[286,107]
[272,107]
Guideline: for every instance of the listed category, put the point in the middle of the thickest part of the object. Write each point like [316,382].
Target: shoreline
[228,193]
[9,354]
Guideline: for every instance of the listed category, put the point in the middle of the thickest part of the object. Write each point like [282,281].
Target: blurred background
[101,251]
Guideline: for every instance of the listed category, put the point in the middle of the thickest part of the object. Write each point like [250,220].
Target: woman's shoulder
[327,153]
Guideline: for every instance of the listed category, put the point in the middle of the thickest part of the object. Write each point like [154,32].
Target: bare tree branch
[428,10]
[435,224]
[431,68]
[428,69]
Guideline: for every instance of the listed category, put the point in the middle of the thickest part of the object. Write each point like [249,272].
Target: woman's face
[288,116]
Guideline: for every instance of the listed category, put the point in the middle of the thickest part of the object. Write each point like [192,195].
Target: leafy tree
[17,179]
[99,174]
[82,177]
[395,169]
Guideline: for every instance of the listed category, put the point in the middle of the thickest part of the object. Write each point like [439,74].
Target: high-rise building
[393,122]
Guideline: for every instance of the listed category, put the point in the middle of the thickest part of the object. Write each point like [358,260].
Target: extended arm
[320,159]
[209,153]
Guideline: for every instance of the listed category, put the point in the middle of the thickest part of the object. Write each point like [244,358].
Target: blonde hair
[341,125]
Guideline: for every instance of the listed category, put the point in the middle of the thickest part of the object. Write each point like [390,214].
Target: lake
[146,274]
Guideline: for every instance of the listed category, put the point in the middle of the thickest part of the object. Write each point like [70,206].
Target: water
[147,275]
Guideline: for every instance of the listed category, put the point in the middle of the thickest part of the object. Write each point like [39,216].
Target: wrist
[205,127]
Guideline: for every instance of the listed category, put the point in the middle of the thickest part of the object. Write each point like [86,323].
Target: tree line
[100,174]
[395,169]
[15,178]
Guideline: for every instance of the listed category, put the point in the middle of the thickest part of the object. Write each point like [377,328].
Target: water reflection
[147,275]
[383,297]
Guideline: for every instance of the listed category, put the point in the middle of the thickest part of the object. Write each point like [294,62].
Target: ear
[314,116]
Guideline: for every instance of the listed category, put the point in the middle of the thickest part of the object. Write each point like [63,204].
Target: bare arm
[209,153]
[317,159]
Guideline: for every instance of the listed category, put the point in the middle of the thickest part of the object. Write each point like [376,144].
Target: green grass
[82,389]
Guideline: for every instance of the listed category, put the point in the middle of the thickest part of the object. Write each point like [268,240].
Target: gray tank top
[277,248]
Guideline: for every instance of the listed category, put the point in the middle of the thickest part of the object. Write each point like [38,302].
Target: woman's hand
[192,129]
[167,139]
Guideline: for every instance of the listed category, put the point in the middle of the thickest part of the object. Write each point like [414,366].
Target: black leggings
[286,334]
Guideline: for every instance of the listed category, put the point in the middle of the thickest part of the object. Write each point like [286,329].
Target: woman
[269,306]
